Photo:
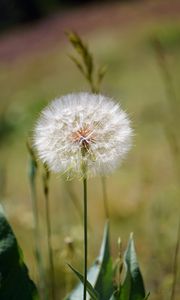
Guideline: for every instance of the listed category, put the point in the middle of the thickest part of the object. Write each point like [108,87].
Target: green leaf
[102,269]
[92,292]
[132,287]
[15,283]
[100,275]
[137,284]
[125,288]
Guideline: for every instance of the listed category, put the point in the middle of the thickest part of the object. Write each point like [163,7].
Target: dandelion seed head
[82,128]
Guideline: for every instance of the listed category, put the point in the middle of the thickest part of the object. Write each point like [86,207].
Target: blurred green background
[143,195]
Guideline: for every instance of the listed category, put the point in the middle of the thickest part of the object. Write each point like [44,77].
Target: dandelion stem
[85,237]
[49,233]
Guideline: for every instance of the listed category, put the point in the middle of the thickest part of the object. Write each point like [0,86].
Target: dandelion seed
[83,128]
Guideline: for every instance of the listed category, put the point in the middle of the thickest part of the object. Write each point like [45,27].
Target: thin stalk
[37,251]
[105,200]
[175,264]
[85,237]
[172,139]
[49,233]
[172,104]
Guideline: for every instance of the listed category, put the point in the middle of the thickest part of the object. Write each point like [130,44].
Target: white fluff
[82,123]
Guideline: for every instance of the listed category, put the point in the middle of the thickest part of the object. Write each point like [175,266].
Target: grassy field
[143,194]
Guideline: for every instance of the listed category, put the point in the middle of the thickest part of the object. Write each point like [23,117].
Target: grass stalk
[171,137]
[173,105]
[85,236]
[37,251]
[49,232]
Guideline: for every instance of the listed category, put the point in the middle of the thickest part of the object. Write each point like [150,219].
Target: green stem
[85,237]
[37,251]
[49,235]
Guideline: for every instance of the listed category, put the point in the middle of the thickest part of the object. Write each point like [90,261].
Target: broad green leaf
[137,285]
[92,292]
[15,283]
[100,275]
